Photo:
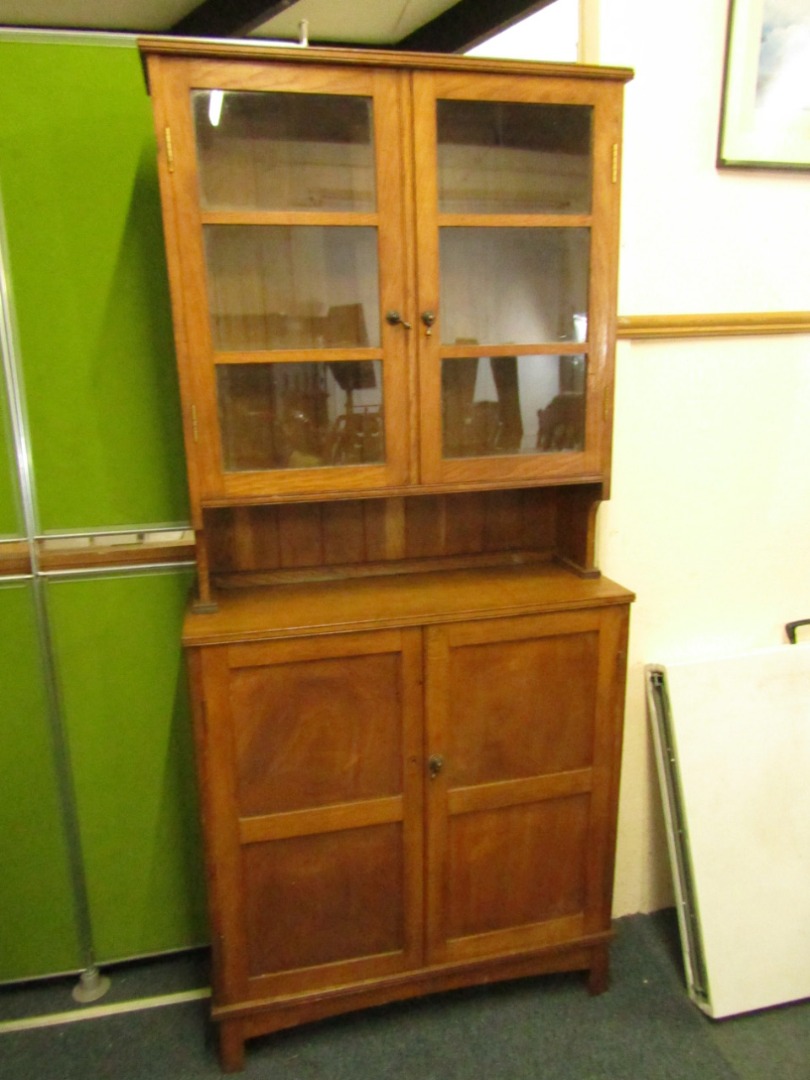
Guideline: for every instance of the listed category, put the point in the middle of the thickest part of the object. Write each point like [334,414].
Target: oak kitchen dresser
[393,282]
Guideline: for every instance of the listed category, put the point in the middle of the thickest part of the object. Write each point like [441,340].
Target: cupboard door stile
[181,227]
[607,762]
[427,274]
[394,172]
[604,277]
[216,767]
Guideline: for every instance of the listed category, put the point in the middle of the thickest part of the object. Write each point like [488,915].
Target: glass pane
[272,151]
[512,405]
[292,287]
[513,157]
[513,285]
[298,416]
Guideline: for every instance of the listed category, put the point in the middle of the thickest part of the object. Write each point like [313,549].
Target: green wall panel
[78,183]
[37,927]
[123,689]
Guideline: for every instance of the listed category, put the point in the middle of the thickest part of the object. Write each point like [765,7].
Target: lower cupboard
[408,784]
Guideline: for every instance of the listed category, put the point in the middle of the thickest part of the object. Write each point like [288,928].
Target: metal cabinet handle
[435,765]
[393,318]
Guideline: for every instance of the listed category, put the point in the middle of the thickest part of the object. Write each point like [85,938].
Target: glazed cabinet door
[517,226]
[282,189]
[524,722]
[310,756]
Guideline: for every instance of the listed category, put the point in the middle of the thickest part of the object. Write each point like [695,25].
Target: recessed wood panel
[320,899]
[317,732]
[521,708]
[516,866]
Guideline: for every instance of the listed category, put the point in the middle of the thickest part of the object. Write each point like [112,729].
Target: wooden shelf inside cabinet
[393,284]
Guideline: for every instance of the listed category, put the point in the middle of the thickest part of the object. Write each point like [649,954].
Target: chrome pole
[92,985]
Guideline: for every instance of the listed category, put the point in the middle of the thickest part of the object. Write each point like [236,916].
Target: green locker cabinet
[37,924]
[123,692]
[79,188]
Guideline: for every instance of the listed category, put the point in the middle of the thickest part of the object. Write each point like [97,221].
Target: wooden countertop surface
[258,613]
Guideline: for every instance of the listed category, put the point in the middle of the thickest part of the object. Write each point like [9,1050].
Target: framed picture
[765,120]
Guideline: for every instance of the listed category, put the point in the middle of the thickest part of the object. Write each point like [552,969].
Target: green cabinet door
[37,919]
[125,705]
[78,183]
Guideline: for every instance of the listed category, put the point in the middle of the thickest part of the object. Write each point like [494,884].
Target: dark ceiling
[423,25]
[460,26]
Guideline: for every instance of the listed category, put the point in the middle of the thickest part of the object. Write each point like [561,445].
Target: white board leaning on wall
[732,738]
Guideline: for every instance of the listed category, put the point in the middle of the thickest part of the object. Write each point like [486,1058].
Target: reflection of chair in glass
[300,429]
[357,436]
[473,428]
[561,425]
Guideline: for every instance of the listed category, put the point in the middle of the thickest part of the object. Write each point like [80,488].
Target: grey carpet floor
[643,1028]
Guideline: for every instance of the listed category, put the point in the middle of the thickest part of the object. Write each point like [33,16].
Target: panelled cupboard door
[312,774]
[283,192]
[523,738]
[516,182]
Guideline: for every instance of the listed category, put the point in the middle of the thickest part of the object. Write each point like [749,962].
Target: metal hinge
[194,428]
[169,148]
[614,169]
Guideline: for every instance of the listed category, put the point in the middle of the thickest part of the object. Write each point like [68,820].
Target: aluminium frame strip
[660,716]
[18,417]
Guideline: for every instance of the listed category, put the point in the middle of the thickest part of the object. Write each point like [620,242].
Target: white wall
[710,516]
[709,520]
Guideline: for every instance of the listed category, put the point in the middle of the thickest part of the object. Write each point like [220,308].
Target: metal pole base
[92,985]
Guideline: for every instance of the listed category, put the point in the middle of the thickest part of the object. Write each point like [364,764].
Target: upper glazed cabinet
[388,272]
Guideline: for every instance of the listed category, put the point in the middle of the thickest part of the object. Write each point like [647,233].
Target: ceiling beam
[467,23]
[228,18]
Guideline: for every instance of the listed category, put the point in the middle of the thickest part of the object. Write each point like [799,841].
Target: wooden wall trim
[747,323]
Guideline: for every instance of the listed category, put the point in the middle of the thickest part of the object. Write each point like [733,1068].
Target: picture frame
[765,113]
